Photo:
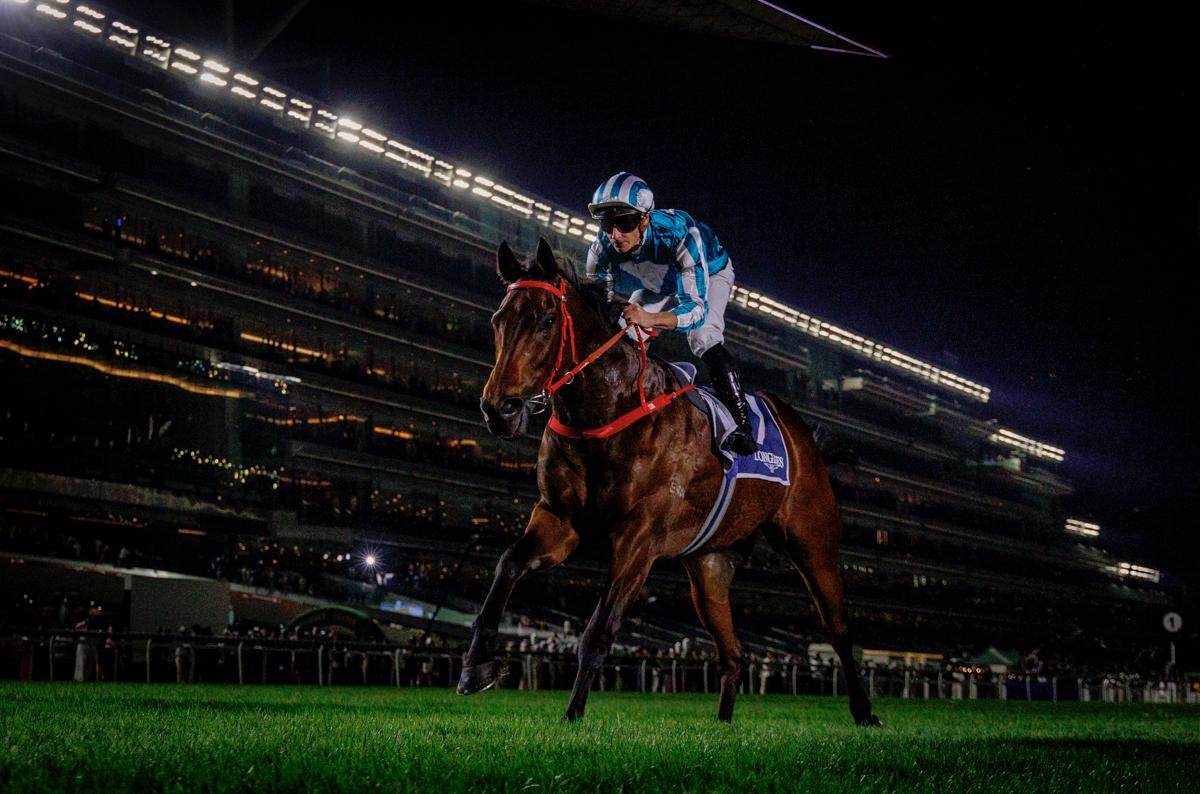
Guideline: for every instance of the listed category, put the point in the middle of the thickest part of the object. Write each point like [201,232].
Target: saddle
[770,462]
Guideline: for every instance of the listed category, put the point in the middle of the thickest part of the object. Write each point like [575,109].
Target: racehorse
[649,486]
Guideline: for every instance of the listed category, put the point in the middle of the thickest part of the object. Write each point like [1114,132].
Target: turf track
[155,737]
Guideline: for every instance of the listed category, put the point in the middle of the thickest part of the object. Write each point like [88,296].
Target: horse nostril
[511,406]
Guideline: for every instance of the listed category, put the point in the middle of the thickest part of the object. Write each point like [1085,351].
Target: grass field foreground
[150,737]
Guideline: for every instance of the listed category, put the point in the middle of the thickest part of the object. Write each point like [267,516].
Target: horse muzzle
[507,418]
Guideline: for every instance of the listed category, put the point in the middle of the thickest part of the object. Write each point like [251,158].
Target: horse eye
[547,322]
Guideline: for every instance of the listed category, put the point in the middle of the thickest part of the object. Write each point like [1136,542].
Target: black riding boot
[729,390]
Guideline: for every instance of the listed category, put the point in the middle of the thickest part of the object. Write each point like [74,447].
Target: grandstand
[250,333]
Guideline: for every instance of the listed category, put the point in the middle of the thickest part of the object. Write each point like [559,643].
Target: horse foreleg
[630,567]
[711,575]
[548,540]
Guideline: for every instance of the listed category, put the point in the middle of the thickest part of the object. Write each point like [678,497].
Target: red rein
[567,332]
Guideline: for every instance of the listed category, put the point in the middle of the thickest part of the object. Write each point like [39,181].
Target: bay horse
[649,486]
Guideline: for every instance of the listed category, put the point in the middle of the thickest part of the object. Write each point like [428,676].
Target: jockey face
[625,231]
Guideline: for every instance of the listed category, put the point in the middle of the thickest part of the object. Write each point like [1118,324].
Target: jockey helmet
[621,193]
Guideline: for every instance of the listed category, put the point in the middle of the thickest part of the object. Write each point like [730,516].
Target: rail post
[241,672]
[1054,689]
[674,679]
[51,646]
[320,665]
[833,671]
[706,678]
[642,676]
[149,643]
[396,666]
[871,682]
[905,693]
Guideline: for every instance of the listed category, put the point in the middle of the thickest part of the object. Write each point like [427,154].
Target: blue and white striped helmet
[621,191]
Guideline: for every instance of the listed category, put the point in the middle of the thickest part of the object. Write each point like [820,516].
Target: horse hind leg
[815,557]
[711,576]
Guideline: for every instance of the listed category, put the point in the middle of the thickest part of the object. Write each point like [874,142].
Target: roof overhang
[753,20]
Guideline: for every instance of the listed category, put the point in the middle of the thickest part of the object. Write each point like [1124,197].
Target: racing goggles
[623,223]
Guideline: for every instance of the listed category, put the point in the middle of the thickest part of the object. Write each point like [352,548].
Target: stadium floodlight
[1038,449]
[1085,528]
[50,11]
[1136,571]
[368,558]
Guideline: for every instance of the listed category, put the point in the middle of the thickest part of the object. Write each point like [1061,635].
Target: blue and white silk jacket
[677,255]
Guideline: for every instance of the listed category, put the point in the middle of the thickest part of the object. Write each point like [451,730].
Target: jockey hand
[636,315]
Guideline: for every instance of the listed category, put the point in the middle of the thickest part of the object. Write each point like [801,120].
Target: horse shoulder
[561,475]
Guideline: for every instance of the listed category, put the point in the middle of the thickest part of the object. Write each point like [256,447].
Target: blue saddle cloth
[770,462]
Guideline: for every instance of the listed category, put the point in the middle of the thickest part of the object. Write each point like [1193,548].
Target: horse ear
[507,265]
[544,258]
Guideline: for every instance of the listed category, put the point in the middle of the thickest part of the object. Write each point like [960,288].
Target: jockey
[678,277]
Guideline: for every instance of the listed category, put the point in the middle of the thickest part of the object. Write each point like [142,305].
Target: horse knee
[511,565]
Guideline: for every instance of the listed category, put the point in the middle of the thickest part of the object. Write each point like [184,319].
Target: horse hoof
[477,678]
[869,721]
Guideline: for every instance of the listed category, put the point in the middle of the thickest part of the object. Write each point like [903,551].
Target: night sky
[1014,197]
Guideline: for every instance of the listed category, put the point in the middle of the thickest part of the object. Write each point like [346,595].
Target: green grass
[212,737]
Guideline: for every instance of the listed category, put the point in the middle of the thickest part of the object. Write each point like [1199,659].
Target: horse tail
[834,451]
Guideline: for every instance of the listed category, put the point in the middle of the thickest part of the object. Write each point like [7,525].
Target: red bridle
[567,333]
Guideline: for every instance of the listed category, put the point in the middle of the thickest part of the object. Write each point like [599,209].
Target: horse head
[529,334]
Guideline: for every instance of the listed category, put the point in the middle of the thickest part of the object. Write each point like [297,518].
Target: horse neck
[608,387]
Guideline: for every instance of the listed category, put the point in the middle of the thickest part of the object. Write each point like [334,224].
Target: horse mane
[592,292]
